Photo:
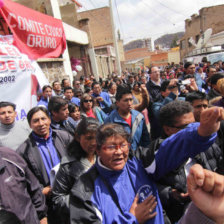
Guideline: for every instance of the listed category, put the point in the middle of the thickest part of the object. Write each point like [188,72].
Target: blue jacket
[98,194]
[139,133]
[43,102]
[76,101]
[106,103]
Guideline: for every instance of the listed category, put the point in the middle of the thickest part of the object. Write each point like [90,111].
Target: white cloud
[147,18]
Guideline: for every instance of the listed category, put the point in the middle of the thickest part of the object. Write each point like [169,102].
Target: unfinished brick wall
[100,26]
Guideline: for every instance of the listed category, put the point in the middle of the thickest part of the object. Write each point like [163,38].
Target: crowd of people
[142,147]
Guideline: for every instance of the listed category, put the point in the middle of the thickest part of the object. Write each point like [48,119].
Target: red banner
[35,34]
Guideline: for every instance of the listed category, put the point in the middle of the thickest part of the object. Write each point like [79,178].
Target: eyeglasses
[180,127]
[112,148]
[86,101]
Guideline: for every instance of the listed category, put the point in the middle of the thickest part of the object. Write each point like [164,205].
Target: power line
[166,19]
[130,6]
[171,9]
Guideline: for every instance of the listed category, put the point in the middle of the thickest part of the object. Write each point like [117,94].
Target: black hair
[86,125]
[187,64]
[55,82]
[95,83]
[62,82]
[150,69]
[209,67]
[55,103]
[75,80]
[111,84]
[68,88]
[76,91]
[164,85]
[45,87]
[84,96]
[6,104]
[72,107]
[136,83]
[172,110]
[214,79]
[111,129]
[35,110]
[204,59]
[87,89]
[196,95]
[122,90]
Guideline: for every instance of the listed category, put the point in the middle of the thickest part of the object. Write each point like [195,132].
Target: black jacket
[70,170]
[153,90]
[212,94]
[30,153]
[20,191]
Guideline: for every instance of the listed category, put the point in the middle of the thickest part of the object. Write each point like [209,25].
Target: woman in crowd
[74,112]
[136,91]
[80,157]
[88,108]
[46,95]
[117,189]
[43,150]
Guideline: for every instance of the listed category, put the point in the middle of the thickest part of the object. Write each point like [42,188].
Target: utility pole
[115,40]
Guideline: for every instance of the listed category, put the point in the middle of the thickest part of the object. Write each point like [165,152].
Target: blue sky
[150,18]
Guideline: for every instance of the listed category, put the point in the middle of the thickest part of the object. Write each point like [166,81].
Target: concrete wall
[69,15]
[174,56]
[121,50]
[43,6]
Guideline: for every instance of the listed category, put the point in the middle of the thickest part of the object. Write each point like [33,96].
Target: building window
[197,38]
[182,44]
[189,44]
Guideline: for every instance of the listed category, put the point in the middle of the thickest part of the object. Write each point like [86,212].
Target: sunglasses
[86,101]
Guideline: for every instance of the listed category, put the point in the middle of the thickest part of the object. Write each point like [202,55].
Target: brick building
[159,59]
[100,29]
[208,17]
[99,25]
[137,53]
[140,57]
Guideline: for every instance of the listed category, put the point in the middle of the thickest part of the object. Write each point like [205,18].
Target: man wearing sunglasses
[168,93]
